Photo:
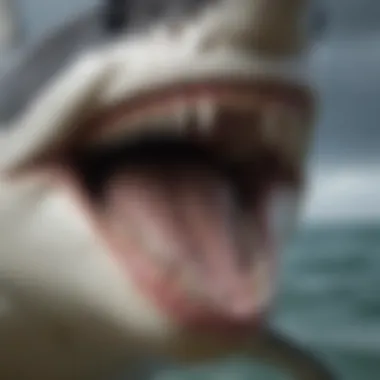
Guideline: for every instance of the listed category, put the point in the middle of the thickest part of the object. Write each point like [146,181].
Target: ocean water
[329,300]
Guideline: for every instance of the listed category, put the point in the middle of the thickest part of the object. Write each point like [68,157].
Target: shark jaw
[189,168]
[193,188]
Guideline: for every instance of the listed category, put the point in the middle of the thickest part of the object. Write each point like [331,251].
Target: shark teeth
[180,119]
[277,126]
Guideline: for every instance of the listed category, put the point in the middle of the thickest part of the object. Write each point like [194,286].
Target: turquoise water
[329,300]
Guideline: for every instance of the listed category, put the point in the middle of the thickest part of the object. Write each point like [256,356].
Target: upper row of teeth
[176,120]
[280,126]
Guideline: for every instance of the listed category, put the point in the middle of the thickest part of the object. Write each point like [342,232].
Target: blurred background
[330,282]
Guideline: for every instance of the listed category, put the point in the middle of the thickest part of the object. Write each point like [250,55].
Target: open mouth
[181,185]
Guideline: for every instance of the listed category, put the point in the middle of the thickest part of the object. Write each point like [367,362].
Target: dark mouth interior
[171,154]
[190,199]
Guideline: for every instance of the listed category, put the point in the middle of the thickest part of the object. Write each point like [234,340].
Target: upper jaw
[101,80]
[223,40]
[276,115]
[277,101]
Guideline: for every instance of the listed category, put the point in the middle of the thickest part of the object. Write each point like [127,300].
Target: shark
[152,169]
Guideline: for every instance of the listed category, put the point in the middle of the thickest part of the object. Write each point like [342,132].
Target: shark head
[180,129]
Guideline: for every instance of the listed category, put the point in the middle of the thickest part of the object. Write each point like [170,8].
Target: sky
[344,168]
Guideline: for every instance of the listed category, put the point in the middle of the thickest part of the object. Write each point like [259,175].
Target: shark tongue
[188,218]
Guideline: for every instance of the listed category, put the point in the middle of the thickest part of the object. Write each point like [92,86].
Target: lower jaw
[171,300]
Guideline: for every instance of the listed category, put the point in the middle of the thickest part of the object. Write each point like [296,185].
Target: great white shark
[152,164]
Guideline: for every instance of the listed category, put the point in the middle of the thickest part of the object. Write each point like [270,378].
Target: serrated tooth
[206,110]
